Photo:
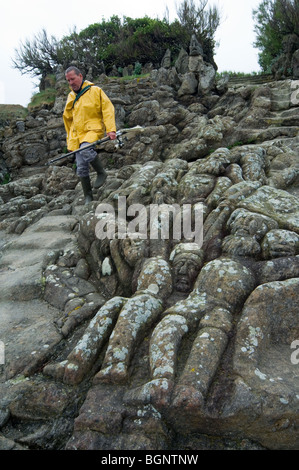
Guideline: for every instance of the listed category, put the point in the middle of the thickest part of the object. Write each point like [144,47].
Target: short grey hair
[73,68]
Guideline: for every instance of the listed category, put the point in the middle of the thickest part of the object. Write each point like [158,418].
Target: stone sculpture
[171,339]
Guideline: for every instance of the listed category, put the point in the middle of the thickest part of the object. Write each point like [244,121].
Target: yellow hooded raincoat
[89,118]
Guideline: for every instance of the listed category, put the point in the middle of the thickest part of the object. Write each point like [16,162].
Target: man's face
[74,81]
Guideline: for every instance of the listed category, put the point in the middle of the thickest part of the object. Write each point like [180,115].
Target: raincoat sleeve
[108,113]
[68,115]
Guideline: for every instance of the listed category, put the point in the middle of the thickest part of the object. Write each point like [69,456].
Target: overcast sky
[21,20]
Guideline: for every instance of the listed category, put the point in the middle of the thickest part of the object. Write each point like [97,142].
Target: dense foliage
[277,30]
[121,42]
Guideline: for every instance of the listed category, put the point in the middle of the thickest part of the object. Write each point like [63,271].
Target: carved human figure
[128,255]
[137,315]
[195,47]
[187,260]
[247,229]
[280,243]
[219,291]
[165,183]
[122,320]
[154,285]
[221,287]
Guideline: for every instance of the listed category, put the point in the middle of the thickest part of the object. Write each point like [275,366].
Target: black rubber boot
[102,175]
[87,191]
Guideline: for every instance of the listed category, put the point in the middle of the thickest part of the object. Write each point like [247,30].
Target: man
[88,114]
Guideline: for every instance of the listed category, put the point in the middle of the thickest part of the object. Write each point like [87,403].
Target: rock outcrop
[155,343]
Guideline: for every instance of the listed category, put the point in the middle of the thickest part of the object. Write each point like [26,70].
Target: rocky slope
[155,344]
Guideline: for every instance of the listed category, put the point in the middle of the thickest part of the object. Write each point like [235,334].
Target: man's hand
[112,135]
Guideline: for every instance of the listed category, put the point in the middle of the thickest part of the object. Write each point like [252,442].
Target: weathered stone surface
[277,204]
[268,326]
[153,343]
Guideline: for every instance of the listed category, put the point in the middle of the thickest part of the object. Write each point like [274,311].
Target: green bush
[5,179]
[120,43]
[138,68]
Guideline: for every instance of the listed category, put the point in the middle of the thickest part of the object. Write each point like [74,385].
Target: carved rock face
[185,270]
[133,250]
[280,243]
[168,336]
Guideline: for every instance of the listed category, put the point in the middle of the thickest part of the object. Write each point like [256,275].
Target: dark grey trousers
[83,159]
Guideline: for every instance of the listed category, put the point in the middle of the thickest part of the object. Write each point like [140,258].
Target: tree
[202,21]
[37,57]
[275,22]
[90,45]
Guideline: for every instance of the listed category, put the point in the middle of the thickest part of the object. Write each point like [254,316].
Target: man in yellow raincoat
[88,114]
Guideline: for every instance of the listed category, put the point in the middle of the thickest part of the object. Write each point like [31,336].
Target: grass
[12,111]
[5,179]
[131,77]
[238,74]
[43,98]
